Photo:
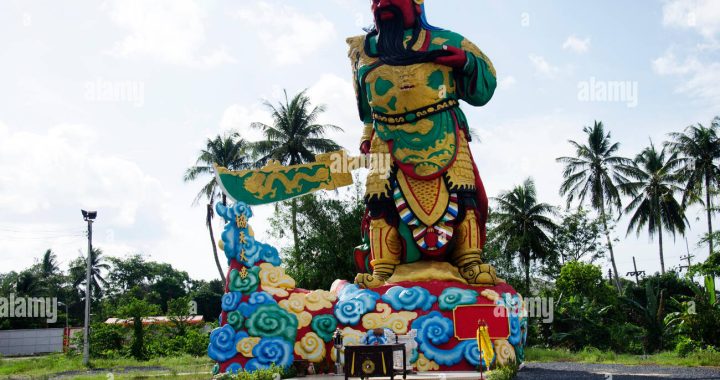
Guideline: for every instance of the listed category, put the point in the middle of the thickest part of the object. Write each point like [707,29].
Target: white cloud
[58,169]
[506,82]
[543,67]
[171,31]
[700,15]
[285,32]
[698,79]
[239,117]
[576,44]
[331,91]
[338,97]
[46,178]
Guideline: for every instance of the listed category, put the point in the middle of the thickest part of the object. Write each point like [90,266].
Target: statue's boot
[467,255]
[385,250]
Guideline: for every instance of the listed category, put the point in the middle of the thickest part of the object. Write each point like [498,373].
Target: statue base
[266,320]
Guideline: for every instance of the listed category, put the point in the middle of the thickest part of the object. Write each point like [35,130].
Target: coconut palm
[652,186]
[48,266]
[595,172]
[698,149]
[229,151]
[78,272]
[524,225]
[293,138]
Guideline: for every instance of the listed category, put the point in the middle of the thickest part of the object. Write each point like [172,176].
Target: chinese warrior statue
[409,79]
[421,271]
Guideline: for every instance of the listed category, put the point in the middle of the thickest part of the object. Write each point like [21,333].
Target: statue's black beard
[390,47]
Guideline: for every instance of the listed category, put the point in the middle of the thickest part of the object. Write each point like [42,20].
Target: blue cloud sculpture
[270,351]
[353,303]
[450,298]
[415,298]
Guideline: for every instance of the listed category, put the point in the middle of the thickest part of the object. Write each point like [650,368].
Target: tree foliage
[329,230]
[578,237]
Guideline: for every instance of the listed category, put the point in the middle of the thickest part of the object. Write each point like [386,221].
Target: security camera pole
[89,217]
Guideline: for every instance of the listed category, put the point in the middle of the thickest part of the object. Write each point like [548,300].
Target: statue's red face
[408,8]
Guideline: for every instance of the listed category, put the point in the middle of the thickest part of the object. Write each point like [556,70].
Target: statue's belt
[415,115]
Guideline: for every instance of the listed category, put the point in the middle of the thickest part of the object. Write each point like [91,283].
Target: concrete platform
[418,376]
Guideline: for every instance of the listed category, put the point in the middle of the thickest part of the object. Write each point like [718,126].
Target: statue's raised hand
[455,58]
[365,147]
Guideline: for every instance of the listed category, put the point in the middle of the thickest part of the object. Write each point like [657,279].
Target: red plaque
[466,317]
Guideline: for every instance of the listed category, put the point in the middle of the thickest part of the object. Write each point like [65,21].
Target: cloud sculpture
[274,280]
[270,351]
[353,303]
[513,302]
[311,348]
[237,240]
[433,330]
[414,298]
[246,284]
[256,299]
[270,321]
[233,215]
[324,326]
[319,299]
[233,368]
[230,301]
[450,298]
[223,343]
[245,346]
[235,319]
[397,321]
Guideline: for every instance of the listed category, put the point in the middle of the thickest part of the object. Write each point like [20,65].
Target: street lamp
[89,217]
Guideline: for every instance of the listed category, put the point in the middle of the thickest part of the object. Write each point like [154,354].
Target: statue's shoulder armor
[446,37]
[356,51]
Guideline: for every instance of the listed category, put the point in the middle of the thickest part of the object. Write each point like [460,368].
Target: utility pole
[89,217]
[636,273]
[688,257]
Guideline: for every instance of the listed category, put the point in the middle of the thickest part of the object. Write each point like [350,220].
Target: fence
[30,342]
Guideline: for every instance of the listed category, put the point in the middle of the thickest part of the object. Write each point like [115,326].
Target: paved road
[572,371]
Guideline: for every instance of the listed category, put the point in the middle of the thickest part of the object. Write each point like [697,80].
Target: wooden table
[365,361]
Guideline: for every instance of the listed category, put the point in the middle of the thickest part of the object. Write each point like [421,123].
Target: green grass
[699,358]
[41,366]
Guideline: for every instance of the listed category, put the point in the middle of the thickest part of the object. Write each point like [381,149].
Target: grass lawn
[703,358]
[41,366]
[188,367]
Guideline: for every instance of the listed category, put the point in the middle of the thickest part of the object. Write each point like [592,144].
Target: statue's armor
[433,191]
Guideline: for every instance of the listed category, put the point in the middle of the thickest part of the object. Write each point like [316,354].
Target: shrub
[272,373]
[106,341]
[504,373]
[685,346]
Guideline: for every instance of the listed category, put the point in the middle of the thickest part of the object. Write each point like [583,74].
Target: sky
[104,104]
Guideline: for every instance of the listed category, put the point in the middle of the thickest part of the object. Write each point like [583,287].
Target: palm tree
[293,138]
[78,272]
[698,148]
[48,266]
[524,225]
[652,188]
[596,171]
[229,151]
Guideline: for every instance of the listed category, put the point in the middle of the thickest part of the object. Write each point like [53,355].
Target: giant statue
[409,80]
[421,275]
